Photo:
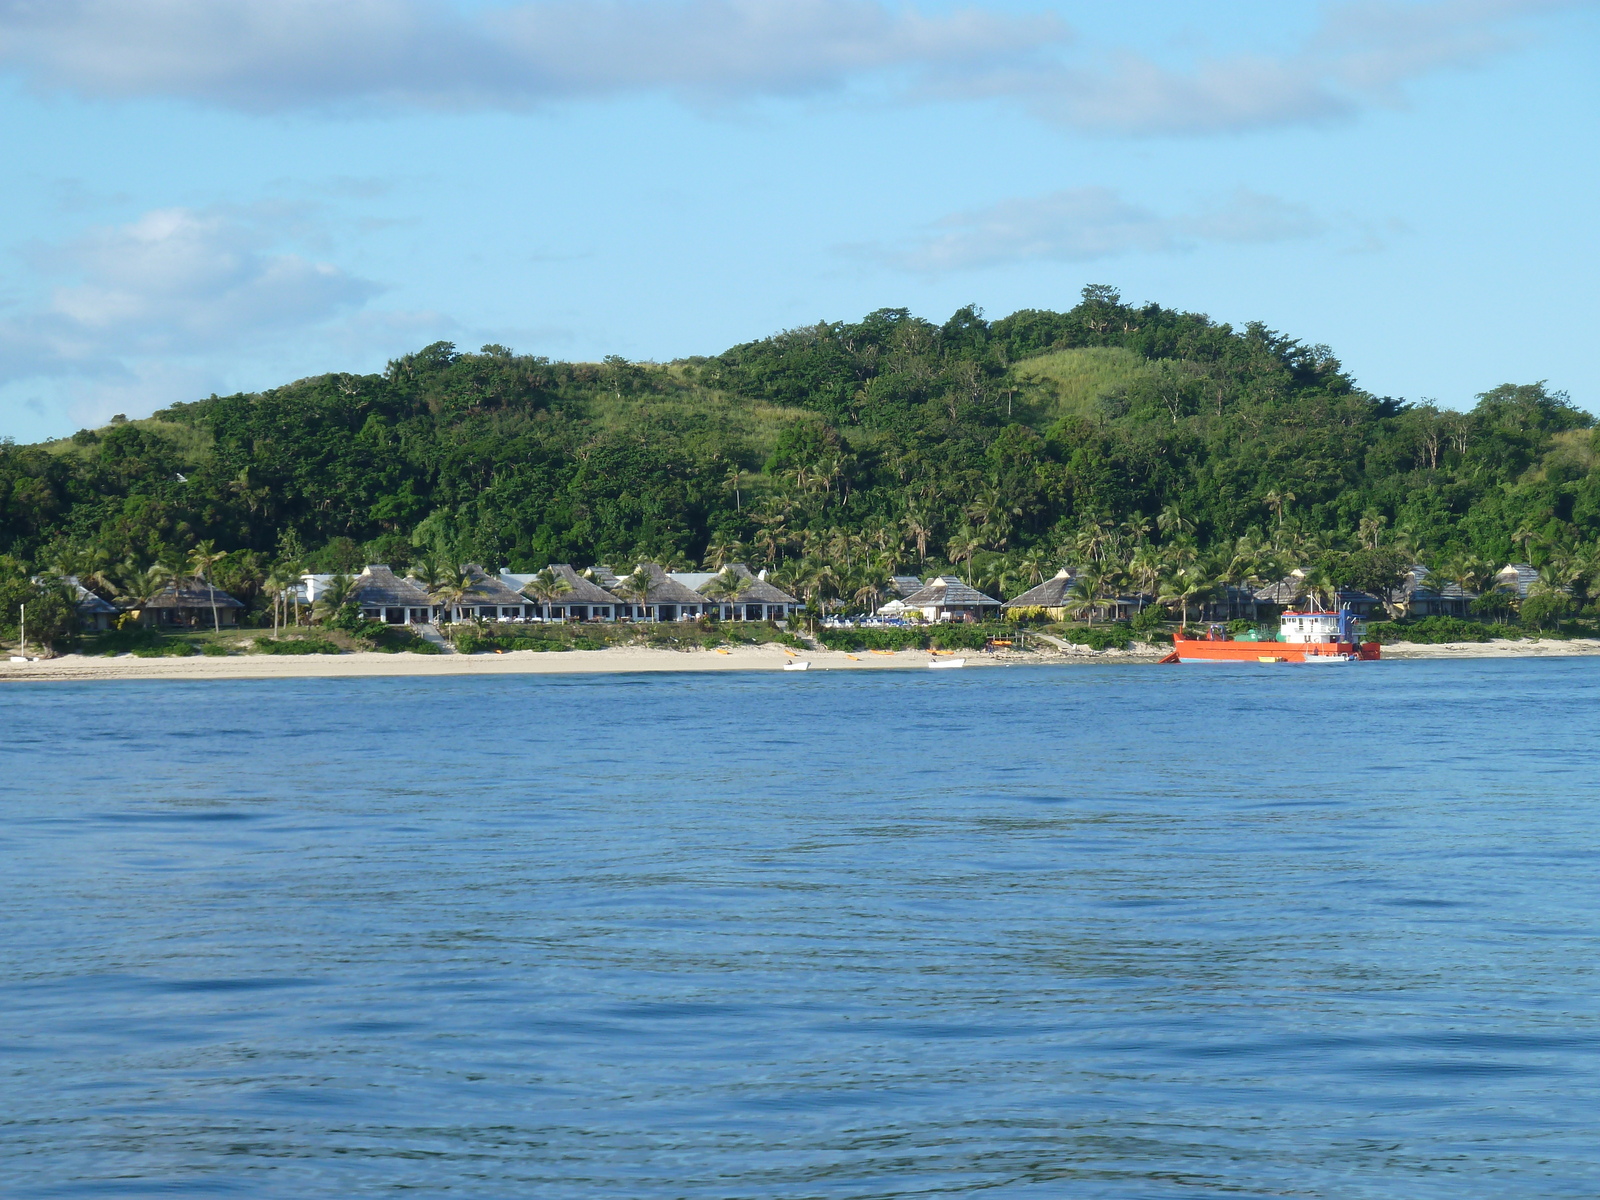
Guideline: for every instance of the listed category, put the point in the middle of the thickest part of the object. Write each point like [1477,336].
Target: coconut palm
[547,586]
[201,559]
[1185,586]
[136,586]
[452,583]
[1144,568]
[721,552]
[277,584]
[725,585]
[1173,523]
[919,529]
[1086,593]
[963,546]
[636,588]
[1276,501]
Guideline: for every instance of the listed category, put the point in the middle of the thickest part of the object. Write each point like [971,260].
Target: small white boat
[1330,658]
[797,666]
[942,664]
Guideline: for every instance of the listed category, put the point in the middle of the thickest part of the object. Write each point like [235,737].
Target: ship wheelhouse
[1305,628]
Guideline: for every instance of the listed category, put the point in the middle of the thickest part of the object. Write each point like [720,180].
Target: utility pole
[23,649]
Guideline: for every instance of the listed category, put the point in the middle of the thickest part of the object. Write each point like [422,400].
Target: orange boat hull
[1199,650]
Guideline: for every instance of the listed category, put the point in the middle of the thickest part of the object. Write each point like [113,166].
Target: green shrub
[122,641]
[398,639]
[296,646]
[1546,610]
[164,649]
[1100,637]
[215,650]
[961,636]
[873,639]
[1146,620]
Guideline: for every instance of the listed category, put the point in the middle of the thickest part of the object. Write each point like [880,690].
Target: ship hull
[1186,650]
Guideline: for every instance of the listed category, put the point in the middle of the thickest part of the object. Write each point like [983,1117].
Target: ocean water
[1089,932]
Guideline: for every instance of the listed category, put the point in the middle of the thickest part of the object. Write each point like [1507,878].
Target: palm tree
[818,582]
[546,586]
[732,482]
[1276,501]
[725,585]
[1145,568]
[1525,536]
[1087,591]
[636,587]
[201,559]
[963,546]
[919,529]
[1183,587]
[451,584]
[1033,565]
[137,586]
[276,585]
[721,552]
[1173,523]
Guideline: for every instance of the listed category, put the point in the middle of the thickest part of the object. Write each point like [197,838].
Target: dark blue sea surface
[1085,932]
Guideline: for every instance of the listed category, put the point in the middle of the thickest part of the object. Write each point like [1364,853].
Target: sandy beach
[627,659]
[616,660]
[1499,648]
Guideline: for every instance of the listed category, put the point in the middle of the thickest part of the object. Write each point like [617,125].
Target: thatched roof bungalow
[1420,600]
[1516,578]
[95,613]
[667,599]
[585,599]
[190,603]
[489,598]
[384,596]
[757,599]
[947,598]
[1053,595]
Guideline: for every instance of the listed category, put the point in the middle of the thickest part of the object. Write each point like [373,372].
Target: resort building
[189,603]
[1053,596]
[757,600]
[947,598]
[584,599]
[1291,592]
[1516,578]
[95,613]
[1419,600]
[489,598]
[384,596]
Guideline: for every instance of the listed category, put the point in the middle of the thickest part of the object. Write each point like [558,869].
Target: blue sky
[216,195]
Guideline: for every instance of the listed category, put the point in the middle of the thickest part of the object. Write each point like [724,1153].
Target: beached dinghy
[797,666]
[945,663]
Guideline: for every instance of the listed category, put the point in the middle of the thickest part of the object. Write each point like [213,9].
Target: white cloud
[275,55]
[1081,224]
[174,283]
[1361,55]
[267,55]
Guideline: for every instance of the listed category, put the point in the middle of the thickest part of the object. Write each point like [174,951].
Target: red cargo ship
[1307,637]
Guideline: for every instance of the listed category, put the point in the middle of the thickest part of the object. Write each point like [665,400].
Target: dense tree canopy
[1000,446]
